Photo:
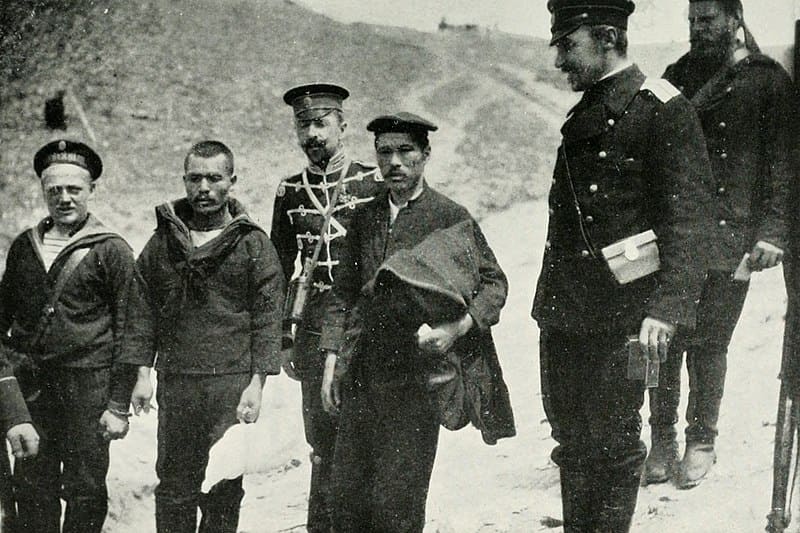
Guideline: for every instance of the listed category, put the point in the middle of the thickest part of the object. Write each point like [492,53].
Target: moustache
[313,144]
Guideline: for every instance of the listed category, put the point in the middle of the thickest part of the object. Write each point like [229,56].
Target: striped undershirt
[51,247]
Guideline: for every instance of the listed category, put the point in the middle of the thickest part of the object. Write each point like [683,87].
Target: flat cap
[69,152]
[314,100]
[402,122]
[569,15]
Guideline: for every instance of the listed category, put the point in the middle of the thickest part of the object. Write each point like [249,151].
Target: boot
[577,501]
[617,503]
[697,462]
[662,459]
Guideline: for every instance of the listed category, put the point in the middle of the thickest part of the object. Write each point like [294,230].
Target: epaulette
[661,89]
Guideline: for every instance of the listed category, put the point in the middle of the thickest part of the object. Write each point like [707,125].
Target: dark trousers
[593,410]
[384,457]
[706,350]
[194,411]
[320,430]
[73,459]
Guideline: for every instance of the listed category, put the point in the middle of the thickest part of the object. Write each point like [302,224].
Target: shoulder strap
[73,260]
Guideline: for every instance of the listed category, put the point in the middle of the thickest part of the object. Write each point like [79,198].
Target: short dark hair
[418,137]
[207,149]
[598,32]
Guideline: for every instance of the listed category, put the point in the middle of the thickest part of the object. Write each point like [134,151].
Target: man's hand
[287,362]
[250,403]
[24,440]
[440,339]
[655,337]
[142,391]
[113,426]
[330,386]
[765,255]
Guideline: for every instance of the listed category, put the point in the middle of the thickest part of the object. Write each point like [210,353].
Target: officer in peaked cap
[71,152]
[569,15]
[389,427]
[301,202]
[632,161]
[315,99]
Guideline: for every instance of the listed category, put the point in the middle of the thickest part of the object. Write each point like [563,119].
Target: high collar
[615,91]
[336,163]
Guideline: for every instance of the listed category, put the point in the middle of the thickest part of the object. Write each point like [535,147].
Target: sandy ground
[511,487]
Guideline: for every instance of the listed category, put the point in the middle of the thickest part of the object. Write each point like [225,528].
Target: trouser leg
[194,412]
[320,432]
[717,315]
[37,480]
[353,463]
[593,410]
[86,452]
[405,446]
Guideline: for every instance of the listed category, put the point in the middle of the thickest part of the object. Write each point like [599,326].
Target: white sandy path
[511,487]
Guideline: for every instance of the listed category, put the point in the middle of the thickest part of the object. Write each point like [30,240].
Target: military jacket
[745,110]
[300,205]
[634,155]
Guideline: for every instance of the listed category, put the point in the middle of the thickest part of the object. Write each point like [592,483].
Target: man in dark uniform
[632,159]
[389,428]
[301,203]
[68,301]
[15,424]
[216,289]
[744,100]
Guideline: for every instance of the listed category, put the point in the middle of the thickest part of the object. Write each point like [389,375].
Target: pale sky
[771,21]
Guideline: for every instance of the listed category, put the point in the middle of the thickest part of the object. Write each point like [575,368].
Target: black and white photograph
[341,266]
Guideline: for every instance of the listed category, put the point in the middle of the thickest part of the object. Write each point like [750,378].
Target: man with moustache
[70,300]
[745,103]
[632,161]
[389,428]
[215,287]
[301,204]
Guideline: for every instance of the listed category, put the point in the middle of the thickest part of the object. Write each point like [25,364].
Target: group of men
[666,194]
[204,303]
[699,163]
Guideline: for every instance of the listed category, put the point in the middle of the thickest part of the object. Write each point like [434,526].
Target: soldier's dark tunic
[633,152]
[297,219]
[745,110]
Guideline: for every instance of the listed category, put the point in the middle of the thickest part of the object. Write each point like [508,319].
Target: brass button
[611,122]
[584,253]
[553,182]
[602,154]
[589,219]
[723,125]
[721,190]
[547,245]
[593,187]
[551,211]
[723,155]
[728,89]
[723,223]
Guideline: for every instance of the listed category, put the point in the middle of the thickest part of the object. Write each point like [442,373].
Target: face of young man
[320,137]
[582,58]
[402,162]
[711,30]
[67,189]
[208,181]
